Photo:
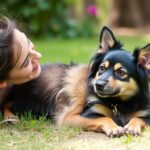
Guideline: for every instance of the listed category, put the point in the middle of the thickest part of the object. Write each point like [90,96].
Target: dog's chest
[112,111]
[118,113]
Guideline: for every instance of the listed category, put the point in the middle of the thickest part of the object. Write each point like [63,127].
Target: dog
[118,87]
[110,95]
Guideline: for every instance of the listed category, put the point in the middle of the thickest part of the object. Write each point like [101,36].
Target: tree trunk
[130,13]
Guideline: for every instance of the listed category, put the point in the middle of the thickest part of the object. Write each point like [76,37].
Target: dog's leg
[102,124]
[8,114]
[135,126]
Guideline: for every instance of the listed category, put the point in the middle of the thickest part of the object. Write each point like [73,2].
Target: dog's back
[50,93]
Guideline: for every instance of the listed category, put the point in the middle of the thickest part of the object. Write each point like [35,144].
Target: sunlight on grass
[79,50]
[41,134]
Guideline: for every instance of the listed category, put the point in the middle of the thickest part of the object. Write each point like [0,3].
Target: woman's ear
[3,84]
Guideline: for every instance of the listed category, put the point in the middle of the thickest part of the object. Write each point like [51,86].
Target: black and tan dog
[118,86]
[110,96]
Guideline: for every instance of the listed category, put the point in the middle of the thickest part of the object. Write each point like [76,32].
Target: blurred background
[65,30]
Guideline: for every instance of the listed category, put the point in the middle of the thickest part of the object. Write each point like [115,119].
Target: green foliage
[49,18]
[40,17]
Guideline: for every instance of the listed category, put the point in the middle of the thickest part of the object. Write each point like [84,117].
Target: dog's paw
[112,129]
[133,130]
[135,126]
[115,132]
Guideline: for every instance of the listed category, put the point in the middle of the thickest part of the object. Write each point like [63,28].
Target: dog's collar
[116,114]
[115,109]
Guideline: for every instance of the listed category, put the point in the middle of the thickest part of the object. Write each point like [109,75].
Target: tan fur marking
[106,64]
[117,66]
[136,125]
[141,113]
[102,124]
[137,121]
[76,80]
[101,109]
[76,88]
[127,89]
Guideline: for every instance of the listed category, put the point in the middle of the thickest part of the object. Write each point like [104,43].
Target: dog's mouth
[108,92]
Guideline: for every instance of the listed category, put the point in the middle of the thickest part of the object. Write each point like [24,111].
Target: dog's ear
[107,40]
[144,56]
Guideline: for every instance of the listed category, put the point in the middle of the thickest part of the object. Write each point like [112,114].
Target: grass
[78,50]
[41,134]
[32,134]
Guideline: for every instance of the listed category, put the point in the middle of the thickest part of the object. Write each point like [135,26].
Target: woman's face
[27,65]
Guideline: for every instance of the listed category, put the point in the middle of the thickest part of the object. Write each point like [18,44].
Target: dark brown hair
[7,27]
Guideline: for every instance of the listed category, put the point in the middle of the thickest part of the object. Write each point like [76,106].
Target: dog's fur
[118,86]
[111,96]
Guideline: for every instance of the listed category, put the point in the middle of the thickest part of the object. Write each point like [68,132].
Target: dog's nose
[100,84]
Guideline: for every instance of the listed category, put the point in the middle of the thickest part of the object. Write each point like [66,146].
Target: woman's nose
[36,54]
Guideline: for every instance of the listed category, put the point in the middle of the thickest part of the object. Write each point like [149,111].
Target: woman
[19,62]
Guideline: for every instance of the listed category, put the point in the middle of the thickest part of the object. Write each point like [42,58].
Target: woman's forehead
[20,38]
[20,46]
[18,35]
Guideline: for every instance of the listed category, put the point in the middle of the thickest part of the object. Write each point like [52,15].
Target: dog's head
[116,72]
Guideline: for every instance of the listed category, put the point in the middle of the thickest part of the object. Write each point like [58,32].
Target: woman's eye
[26,62]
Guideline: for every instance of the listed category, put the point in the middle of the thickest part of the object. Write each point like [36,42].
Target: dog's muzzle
[101,84]
[102,88]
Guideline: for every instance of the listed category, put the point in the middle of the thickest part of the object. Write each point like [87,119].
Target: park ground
[41,134]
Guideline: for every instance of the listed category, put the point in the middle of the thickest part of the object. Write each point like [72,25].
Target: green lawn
[78,50]
[32,134]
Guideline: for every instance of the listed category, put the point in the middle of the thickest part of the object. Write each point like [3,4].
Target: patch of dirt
[93,141]
[92,136]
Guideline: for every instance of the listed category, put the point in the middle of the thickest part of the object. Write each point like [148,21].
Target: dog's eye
[121,73]
[102,69]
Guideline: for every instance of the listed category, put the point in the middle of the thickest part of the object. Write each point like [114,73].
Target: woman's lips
[36,67]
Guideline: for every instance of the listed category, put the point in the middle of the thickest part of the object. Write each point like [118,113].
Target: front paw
[115,132]
[112,129]
[135,126]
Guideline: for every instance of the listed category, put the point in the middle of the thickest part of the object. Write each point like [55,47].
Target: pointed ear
[144,56]
[3,84]
[107,40]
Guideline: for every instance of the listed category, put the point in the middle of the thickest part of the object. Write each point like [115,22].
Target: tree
[130,13]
